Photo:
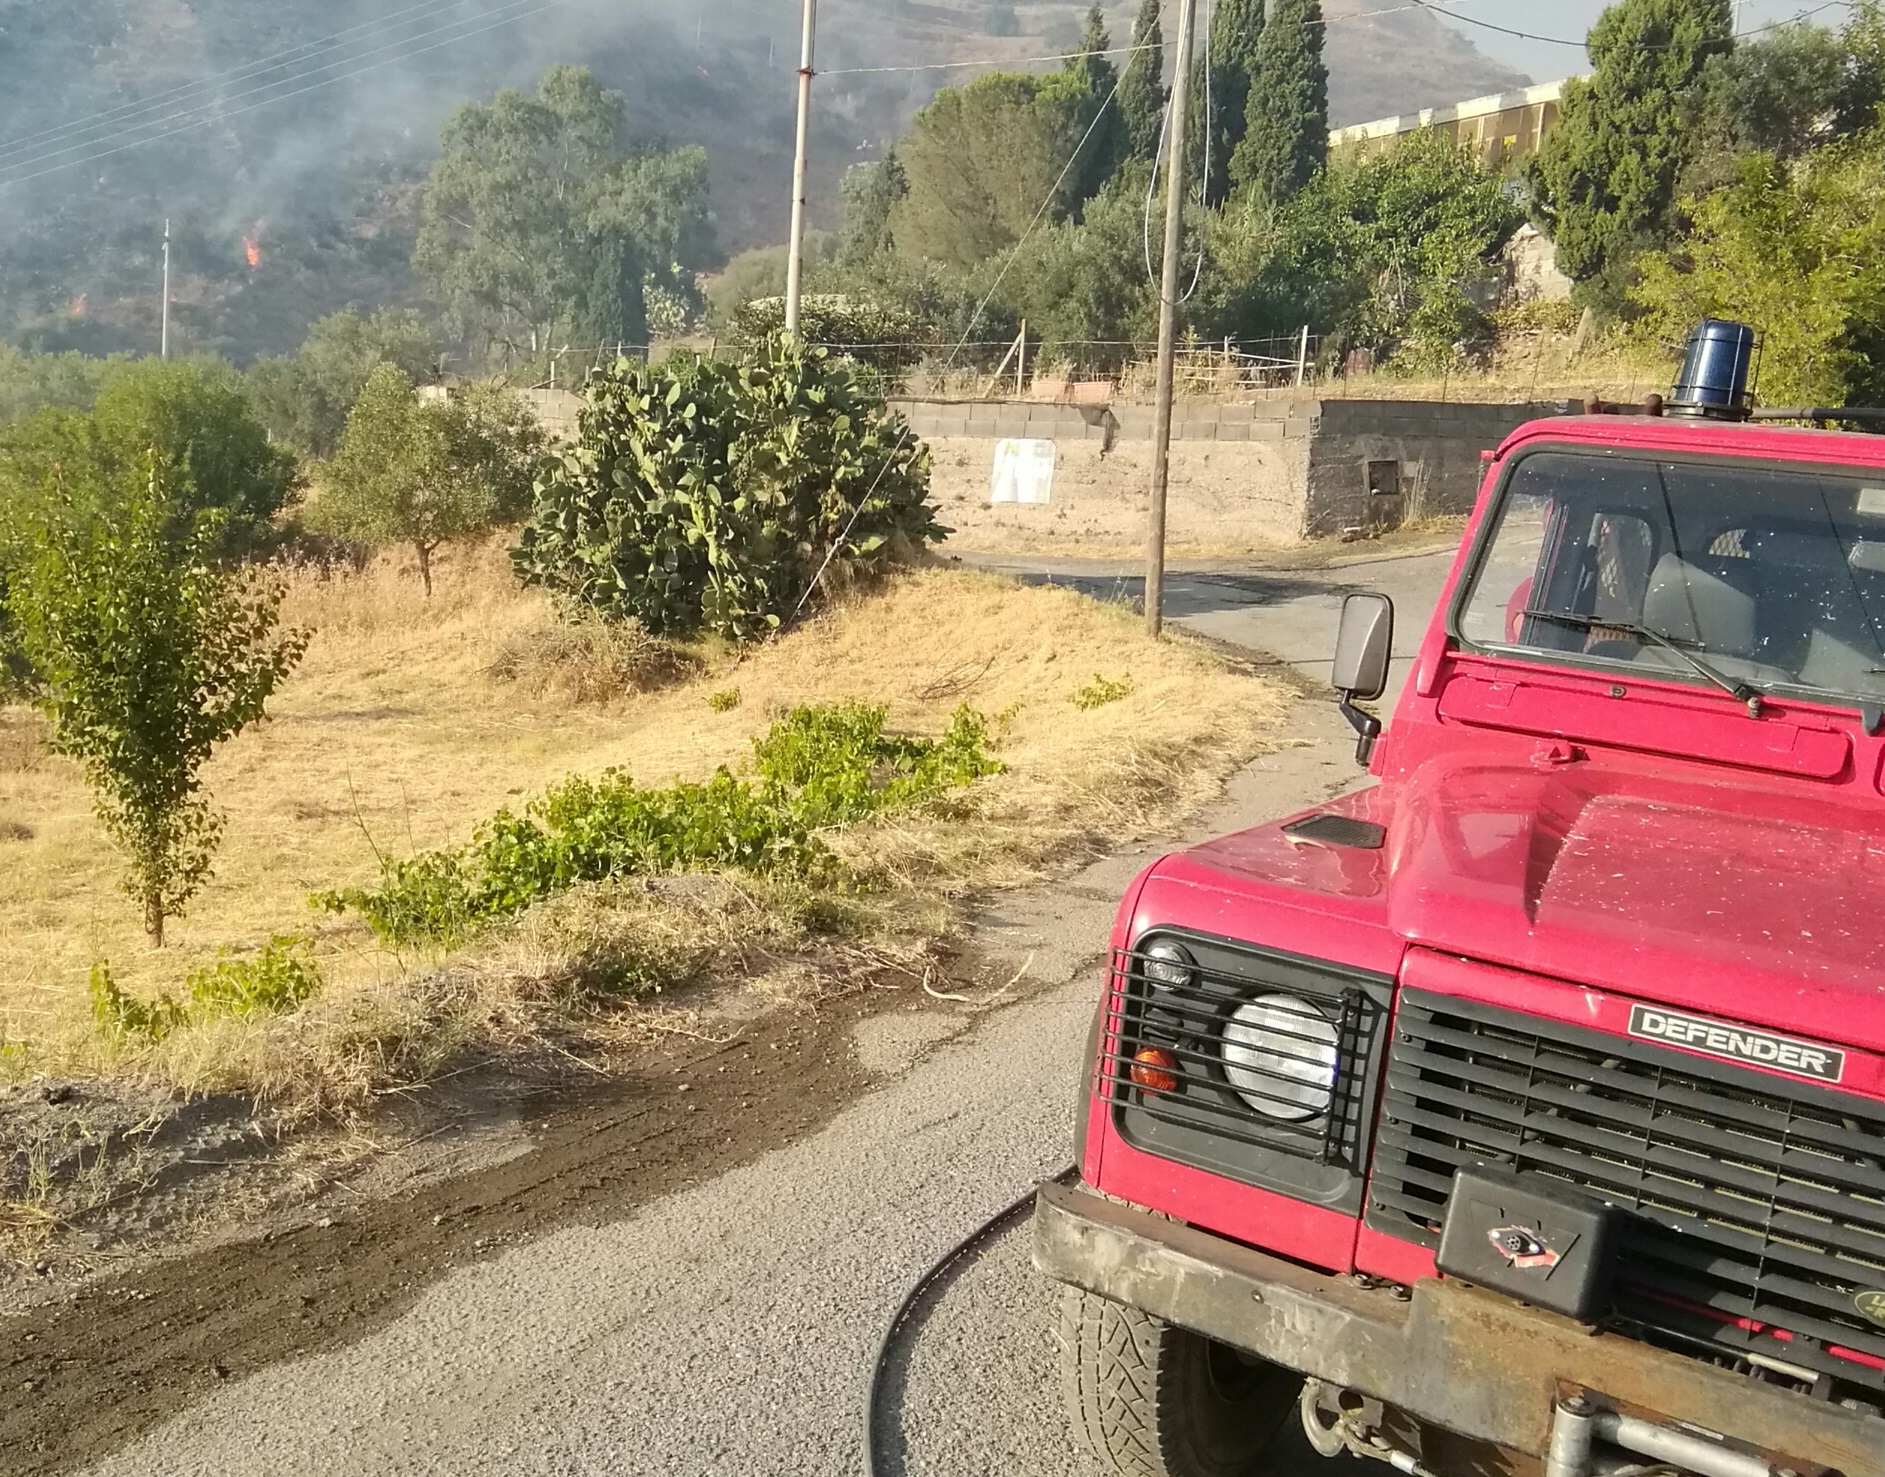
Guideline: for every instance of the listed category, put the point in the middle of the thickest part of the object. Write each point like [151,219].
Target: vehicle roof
[1760,441]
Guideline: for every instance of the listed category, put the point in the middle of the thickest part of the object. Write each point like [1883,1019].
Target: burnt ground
[95,1364]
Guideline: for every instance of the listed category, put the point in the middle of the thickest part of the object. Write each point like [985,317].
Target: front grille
[1756,1206]
[1206,1114]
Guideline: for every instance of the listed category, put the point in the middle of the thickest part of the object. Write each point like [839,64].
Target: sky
[1571,19]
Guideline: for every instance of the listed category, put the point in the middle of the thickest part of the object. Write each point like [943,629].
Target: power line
[541,7]
[1580,45]
[169,96]
[219,108]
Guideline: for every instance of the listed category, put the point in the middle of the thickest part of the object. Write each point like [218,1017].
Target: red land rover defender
[1526,1111]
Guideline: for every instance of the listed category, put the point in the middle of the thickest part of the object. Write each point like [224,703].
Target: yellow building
[1504,127]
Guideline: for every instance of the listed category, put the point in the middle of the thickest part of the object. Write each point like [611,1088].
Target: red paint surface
[1563,845]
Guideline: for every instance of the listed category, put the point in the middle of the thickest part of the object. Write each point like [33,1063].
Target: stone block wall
[1244,475]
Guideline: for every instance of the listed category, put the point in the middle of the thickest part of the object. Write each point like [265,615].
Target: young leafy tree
[151,651]
[1604,182]
[1286,118]
[1142,87]
[417,474]
[305,400]
[1235,32]
[542,222]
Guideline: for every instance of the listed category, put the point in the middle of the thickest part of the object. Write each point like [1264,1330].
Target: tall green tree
[1286,119]
[1142,87]
[871,192]
[1604,183]
[544,222]
[418,474]
[1089,87]
[1235,32]
[151,651]
[1794,246]
[982,161]
[195,414]
[305,400]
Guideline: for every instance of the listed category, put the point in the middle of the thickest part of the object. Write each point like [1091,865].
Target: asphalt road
[730,1328]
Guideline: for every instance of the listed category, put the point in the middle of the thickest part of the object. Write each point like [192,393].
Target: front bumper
[1471,1362]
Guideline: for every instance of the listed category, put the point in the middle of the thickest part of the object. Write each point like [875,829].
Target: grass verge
[412,723]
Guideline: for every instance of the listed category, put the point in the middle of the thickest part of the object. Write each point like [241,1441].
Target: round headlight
[1280,1054]
[1168,963]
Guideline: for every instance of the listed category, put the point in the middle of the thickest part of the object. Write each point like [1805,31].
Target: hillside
[248,125]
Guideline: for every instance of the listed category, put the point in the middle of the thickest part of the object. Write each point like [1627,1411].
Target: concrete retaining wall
[1243,474]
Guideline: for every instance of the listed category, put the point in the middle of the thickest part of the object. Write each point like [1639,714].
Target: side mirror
[1363,649]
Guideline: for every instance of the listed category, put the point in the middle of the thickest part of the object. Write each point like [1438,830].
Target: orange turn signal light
[1155,1069]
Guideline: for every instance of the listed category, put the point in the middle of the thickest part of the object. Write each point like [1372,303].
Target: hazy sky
[1571,19]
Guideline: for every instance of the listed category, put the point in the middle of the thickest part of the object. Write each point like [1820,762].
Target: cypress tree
[1093,73]
[1286,122]
[1235,31]
[1142,90]
[1604,183]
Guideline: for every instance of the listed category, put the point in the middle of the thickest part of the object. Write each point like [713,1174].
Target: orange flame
[252,249]
[78,306]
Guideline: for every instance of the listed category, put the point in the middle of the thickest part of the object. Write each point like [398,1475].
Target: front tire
[1151,1400]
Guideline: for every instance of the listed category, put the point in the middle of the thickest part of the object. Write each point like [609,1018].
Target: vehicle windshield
[1768,578]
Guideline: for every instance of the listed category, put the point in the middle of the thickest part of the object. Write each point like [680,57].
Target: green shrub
[886,336]
[725,700]
[1101,691]
[121,1016]
[280,977]
[708,496]
[816,768]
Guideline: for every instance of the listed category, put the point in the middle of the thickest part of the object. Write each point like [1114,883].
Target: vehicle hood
[1742,903]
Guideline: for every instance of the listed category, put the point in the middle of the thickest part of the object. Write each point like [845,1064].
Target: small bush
[592,660]
[278,979]
[816,768]
[725,700]
[1101,691]
[120,1017]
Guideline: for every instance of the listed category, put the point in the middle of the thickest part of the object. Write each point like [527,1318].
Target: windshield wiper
[1741,692]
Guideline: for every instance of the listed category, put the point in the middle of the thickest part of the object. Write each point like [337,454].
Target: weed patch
[1101,691]
[817,768]
[279,978]
[590,660]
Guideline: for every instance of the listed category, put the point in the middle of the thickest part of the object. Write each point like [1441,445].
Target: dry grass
[395,734]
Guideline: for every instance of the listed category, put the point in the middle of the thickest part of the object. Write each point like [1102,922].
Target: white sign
[1024,472]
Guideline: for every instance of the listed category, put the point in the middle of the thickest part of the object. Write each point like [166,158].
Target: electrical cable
[540,7]
[218,110]
[1204,179]
[170,96]
[938,1269]
[1581,45]
[1014,255]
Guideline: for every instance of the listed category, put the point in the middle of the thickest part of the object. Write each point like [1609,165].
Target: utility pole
[163,350]
[1176,137]
[795,261]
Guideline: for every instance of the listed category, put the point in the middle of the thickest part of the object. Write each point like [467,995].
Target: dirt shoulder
[98,1366]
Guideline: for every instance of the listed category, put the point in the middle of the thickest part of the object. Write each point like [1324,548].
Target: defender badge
[1871,1306]
[1524,1250]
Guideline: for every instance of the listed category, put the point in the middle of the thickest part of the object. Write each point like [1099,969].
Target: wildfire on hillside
[252,249]
[78,305]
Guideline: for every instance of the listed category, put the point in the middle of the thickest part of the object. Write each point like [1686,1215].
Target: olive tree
[150,650]
[420,473]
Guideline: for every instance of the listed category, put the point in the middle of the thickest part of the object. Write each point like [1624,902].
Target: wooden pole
[1177,136]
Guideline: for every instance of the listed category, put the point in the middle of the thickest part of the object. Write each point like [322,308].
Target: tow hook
[1337,1420]
[1587,1441]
